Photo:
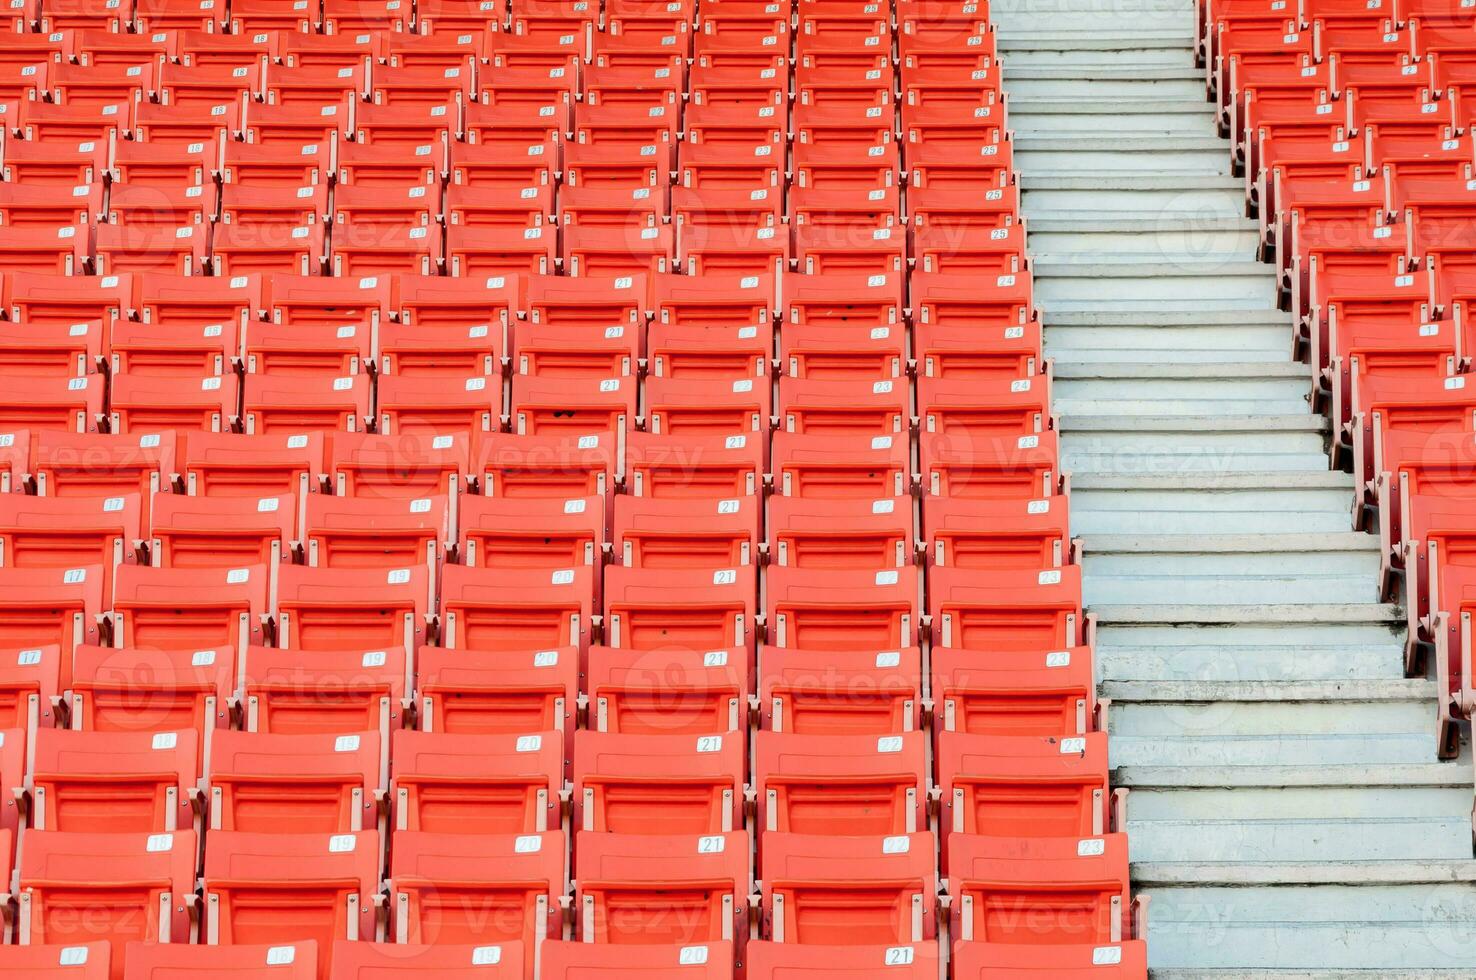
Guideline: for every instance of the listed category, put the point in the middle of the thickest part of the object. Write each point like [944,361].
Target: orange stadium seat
[887,884]
[531,532]
[410,465]
[1015,692]
[59,404]
[509,609]
[854,534]
[145,403]
[856,785]
[211,531]
[448,783]
[260,467]
[127,689]
[656,532]
[303,404]
[669,691]
[775,961]
[288,887]
[658,784]
[354,607]
[640,889]
[114,782]
[315,784]
[89,465]
[89,961]
[694,465]
[842,466]
[363,532]
[324,691]
[404,961]
[124,887]
[30,691]
[41,607]
[65,532]
[843,608]
[1038,890]
[1008,610]
[507,890]
[498,691]
[652,608]
[172,608]
[592,961]
[1067,961]
[170,961]
[841,692]
[1016,786]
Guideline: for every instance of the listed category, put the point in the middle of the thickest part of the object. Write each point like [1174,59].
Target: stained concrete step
[1171,236]
[1108,195]
[1181,445]
[1169,122]
[1087,281]
[1167,81]
[1272,503]
[1384,918]
[1137,337]
[1251,568]
[1120,387]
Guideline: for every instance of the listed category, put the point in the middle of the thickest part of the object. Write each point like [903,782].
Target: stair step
[1249,661]
[1234,837]
[1234,614]
[1227,371]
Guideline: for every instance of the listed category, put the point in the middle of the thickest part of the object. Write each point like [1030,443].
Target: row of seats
[484,234]
[85,68]
[830,466]
[670,890]
[595,399]
[384,19]
[558,961]
[1357,146]
[174,531]
[520,608]
[671,328]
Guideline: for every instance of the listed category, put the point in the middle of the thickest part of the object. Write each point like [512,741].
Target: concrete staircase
[1288,816]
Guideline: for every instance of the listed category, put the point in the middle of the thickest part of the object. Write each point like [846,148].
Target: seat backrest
[29,681]
[775,961]
[283,888]
[1038,890]
[263,782]
[592,961]
[668,889]
[658,784]
[405,961]
[498,691]
[175,608]
[669,691]
[119,782]
[346,608]
[887,884]
[841,784]
[324,691]
[506,889]
[449,783]
[90,961]
[107,886]
[181,961]
[42,607]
